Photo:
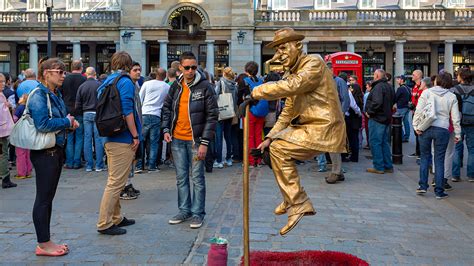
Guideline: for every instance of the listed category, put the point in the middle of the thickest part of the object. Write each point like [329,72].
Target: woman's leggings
[48,164]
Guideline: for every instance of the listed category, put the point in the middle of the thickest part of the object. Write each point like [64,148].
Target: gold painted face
[288,53]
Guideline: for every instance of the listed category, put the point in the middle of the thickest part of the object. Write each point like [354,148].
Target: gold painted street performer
[311,122]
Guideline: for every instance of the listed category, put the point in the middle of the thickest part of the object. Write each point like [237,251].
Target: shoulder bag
[225,102]
[424,117]
[25,135]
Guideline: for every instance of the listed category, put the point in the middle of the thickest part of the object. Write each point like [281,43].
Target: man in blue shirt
[27,85]
[120,149]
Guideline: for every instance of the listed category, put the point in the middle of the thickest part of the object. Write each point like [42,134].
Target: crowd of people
[181,117]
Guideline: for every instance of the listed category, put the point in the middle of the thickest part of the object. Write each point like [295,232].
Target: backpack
[109,118]
[467,107]
[260,109]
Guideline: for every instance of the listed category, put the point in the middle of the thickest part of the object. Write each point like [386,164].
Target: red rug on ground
[306,257]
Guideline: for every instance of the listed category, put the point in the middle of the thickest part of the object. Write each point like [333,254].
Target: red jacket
[415,94]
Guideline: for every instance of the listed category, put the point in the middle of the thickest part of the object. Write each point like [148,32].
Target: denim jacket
[38,109]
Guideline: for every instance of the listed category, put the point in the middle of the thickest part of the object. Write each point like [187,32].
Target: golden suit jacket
[312,115]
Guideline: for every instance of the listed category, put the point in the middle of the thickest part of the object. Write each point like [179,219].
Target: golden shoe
[292,222]
[280,209]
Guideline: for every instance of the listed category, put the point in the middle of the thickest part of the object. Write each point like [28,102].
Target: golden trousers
[119,161]
[283,155]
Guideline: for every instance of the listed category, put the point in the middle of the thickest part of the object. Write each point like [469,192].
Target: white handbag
[424,118]
[25,135]
[225,102]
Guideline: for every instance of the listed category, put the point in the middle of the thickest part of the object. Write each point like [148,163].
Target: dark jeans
[353,136]
[151,135]
[379,135]
[468,137]
[237,142]
[417,140]
[224,131]
[75,145]
[440,137]
[48,164]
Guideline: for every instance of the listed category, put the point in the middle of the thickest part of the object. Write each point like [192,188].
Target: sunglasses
[59,71]
[190,67]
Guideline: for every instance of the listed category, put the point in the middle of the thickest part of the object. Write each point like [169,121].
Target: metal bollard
[397,154]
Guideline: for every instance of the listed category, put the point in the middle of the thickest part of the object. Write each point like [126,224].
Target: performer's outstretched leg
[283,155]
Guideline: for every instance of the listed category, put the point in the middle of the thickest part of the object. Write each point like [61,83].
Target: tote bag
[225,102]
[25,135]
[424,118]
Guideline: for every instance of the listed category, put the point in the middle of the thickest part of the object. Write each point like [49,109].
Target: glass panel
[456,3]
[368,4]
[279,4]
[36,5]
[175,50]
[75,4]
[4,56]
[411,3]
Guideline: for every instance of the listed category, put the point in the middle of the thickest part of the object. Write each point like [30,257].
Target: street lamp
[241,36]
[126,36]
[370,51]
[49,13]
[465,53]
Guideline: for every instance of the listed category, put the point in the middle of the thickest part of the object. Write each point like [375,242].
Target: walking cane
[246,188]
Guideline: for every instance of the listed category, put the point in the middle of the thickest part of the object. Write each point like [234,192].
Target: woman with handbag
[436,106]
[47,109]
[6,125]
[227,112]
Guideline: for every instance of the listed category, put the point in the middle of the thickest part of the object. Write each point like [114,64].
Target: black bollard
[397,154]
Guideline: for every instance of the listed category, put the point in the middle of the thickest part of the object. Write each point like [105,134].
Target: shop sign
[178,11]
[347,62]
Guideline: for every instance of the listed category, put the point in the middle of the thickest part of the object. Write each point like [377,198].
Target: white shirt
[152,96]
[353,105]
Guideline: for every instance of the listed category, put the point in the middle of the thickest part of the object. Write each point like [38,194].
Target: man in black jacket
[379,110]
[86,104]
[189,118]
[75,139]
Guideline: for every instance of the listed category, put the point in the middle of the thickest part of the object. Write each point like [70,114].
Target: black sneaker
[128,194]
[113,231]
[196,222]
[456,179]
[136,191]
[433,183]
[179,218]
[126,222]
[447,186]
[442,195]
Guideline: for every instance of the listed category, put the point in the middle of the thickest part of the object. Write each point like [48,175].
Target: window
[279,4]
[456,3]
[322,4]
[367,4]
[35,5]
[75,4]
[411,4]
[5,62]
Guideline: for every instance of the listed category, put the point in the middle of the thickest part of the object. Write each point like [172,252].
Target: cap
[401,77]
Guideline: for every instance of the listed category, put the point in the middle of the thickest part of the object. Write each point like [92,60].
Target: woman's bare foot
[50,246]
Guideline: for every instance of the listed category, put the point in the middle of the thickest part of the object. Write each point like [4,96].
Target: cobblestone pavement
[375,217]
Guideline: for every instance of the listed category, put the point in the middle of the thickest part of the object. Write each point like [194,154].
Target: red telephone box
[348,62]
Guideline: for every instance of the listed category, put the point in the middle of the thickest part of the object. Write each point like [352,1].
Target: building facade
[396,35]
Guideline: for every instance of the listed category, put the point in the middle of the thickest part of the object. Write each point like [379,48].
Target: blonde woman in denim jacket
[48,162]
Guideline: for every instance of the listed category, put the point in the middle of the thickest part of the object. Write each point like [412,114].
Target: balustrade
[61,17]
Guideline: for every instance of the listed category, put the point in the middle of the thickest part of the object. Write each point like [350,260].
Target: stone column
[117,46]
[210,57]
[33,54]
[76,50]
[399,58]
[257,54]
[351,46]
[143,62]
[434,59]
[448,56]
[13,59]
[305,46]
[163,54]
[93,55]
[230,53]
[389,58]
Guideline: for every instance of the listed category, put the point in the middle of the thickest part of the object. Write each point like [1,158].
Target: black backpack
[109,118]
